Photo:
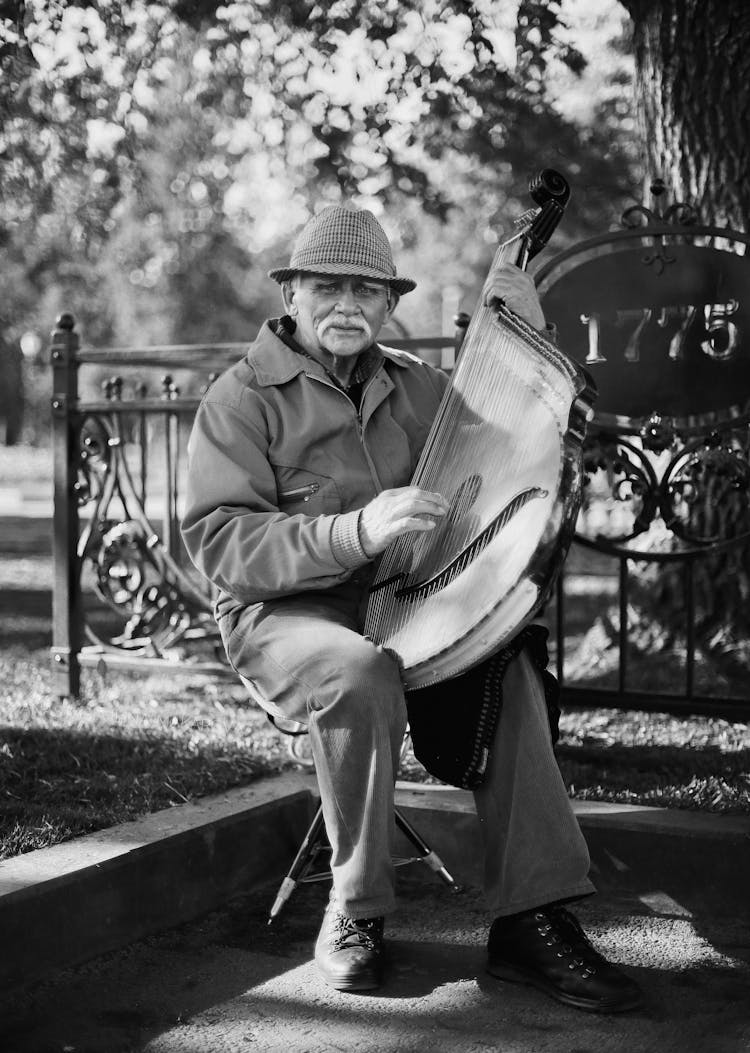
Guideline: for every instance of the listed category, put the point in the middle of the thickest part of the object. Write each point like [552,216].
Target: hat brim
[399,285]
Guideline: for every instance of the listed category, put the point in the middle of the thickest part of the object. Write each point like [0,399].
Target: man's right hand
[396,512]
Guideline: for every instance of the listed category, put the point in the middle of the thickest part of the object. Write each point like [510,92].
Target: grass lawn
[131,745]
[134,744]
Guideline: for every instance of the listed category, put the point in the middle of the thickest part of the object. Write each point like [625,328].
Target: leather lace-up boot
[548,948]
[349,951]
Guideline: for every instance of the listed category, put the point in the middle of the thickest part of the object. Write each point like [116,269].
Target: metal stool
[315,842]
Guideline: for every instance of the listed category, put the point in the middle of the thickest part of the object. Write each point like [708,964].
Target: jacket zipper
[305,492]
[360,425]
[370,463]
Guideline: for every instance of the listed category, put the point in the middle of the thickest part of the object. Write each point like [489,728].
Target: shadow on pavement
[230,982]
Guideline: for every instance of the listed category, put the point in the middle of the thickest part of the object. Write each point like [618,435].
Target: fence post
[461,323]
[66,597]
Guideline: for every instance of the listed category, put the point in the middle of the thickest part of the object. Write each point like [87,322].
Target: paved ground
[230,983]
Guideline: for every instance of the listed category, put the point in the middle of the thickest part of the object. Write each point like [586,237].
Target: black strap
[453,724]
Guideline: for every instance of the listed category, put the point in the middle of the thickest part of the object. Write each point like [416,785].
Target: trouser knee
[365,685]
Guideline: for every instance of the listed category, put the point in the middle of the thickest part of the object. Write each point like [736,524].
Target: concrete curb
[63,905]
[72,902]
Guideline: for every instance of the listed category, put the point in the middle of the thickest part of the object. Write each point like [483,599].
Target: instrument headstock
[549,185]
[551,192]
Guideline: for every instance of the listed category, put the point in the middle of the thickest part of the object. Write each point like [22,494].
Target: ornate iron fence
[652,607]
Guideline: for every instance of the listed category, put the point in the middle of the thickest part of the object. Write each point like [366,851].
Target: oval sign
[661,323]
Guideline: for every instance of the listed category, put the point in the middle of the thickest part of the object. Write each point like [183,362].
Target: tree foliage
[364,98]
[155,159]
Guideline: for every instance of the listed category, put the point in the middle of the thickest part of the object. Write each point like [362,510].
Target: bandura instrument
[505,450]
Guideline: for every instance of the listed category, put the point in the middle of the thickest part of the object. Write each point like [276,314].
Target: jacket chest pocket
[301,491]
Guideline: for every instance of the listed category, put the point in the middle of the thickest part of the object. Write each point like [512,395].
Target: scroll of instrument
[505,451]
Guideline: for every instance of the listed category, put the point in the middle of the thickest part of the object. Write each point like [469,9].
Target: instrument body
[505,449]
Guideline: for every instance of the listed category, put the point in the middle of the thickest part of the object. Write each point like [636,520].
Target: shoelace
[366,931]
[564,928]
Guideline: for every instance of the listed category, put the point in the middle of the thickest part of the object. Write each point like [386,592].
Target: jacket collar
[275,363]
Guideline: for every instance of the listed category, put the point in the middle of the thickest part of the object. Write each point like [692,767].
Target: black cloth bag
[453,723]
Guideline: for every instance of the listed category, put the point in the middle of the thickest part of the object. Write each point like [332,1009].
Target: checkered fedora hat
[340,240]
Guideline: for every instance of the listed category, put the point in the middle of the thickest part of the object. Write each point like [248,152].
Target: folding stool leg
[316,841]
[426,855]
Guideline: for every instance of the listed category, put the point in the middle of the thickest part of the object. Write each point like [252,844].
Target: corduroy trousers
[306,659]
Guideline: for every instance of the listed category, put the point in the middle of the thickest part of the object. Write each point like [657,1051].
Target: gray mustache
[345,323]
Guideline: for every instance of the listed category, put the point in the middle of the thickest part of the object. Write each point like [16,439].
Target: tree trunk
[693,72]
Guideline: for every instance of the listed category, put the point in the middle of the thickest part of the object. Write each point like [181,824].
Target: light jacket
[281,462]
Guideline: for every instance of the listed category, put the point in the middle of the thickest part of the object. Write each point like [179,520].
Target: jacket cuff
[347,548]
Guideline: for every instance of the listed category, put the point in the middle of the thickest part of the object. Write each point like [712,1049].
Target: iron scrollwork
[132,572]
[621,496]
[93,460]
[678,213]
[658,433]
[705,489]
[699,498]
[132,578]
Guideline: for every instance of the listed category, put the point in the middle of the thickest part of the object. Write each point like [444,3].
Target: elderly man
[300,461]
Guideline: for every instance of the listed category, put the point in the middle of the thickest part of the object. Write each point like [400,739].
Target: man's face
[338,314]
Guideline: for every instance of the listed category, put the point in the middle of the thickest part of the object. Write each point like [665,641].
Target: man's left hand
[508,284]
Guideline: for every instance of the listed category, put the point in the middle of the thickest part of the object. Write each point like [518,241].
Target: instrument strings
[464,459]
[498,451]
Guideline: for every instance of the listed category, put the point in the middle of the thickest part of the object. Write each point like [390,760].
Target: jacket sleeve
[232,527]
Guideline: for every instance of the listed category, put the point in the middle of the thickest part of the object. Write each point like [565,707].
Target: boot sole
[366,979]
[357,983]
[519,975]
